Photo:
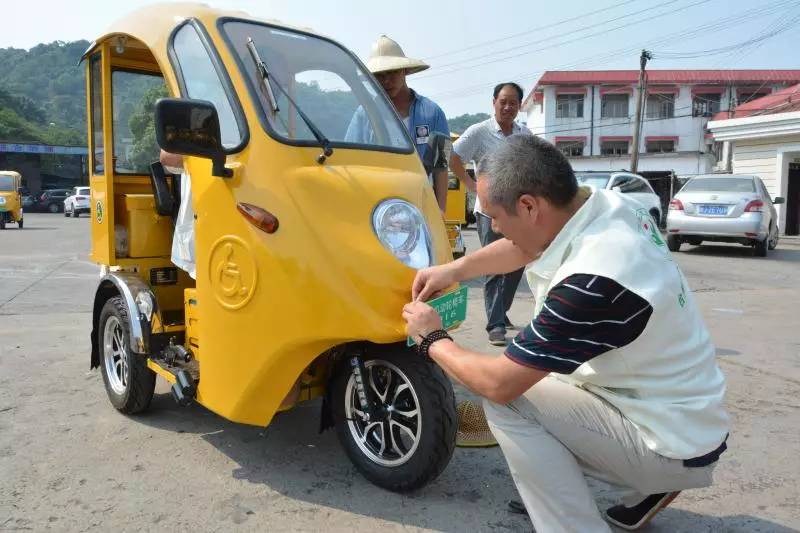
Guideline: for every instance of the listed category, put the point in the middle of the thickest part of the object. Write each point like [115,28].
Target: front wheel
[409,439]
[53,208]
[773,238]
[19,224]
[129,383]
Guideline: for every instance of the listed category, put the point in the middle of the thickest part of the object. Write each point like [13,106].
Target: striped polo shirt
[582,317]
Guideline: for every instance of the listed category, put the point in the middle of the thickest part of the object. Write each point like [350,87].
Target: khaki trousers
[556,433]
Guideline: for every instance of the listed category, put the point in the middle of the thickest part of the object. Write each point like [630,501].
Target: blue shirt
[425,118]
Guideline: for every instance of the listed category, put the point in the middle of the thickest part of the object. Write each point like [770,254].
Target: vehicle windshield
[598,181]
[6,183]
[720,185]
[327,84]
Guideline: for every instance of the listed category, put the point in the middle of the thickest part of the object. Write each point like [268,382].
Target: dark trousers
[499,290]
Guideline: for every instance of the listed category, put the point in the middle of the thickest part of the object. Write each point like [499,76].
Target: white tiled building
[590,114]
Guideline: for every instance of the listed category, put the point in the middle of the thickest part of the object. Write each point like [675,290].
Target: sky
[471,45]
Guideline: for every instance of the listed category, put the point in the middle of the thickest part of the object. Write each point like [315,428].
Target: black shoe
[632,518]
[517,507]
[497,337]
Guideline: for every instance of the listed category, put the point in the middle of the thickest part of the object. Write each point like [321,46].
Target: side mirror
[191,127]
[616,188]
[779,200]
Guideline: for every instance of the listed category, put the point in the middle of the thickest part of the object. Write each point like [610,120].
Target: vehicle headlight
[402,230]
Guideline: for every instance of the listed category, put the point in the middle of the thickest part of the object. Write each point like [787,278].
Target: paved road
[69,462]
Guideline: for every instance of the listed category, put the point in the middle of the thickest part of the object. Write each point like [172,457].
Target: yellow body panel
[12,201]
[267,306]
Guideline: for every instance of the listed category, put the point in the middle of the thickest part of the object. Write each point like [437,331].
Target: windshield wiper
[266,82]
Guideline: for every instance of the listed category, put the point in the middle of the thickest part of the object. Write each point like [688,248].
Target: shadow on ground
[293,459]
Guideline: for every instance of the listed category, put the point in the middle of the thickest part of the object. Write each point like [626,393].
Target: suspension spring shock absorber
[359,372]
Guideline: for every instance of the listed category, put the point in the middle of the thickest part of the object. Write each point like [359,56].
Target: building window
[660,147]
[570,148]
[569,106]
[614,106]
[743,98]
[614,148]
[660,106]
[706,105]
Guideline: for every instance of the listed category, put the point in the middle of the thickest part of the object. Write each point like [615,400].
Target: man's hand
[421,319]
[430,281]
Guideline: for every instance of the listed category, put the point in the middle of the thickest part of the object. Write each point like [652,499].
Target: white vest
[667,381]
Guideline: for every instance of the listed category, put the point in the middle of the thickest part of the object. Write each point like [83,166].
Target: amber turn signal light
[260,218]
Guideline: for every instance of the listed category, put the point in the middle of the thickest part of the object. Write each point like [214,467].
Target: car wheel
[674,243]
[410,438]
[773,241]
[19,224]
[53,208]
[2,223]
[129,383]
[760,248]
[66,213]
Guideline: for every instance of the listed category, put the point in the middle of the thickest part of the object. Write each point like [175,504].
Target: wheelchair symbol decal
[233,272]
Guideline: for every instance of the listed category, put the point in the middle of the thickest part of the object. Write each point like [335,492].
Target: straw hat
[387,55]
[473,429]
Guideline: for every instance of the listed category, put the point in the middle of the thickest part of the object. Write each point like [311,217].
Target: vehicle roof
[737,176]
[611,172]
[153,24]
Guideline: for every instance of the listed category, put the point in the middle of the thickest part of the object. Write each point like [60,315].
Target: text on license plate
[713,210]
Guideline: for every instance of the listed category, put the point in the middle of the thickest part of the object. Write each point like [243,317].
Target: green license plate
[452,307]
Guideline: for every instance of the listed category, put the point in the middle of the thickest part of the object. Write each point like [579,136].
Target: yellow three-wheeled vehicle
[305,244]
[10,199]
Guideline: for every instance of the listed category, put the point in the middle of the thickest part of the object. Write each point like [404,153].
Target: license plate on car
[713,210]
[452,307]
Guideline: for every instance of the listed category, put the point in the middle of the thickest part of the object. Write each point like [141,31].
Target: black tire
[435,419]
[137,390]
[53,208]
[674,243]
[773,238]
[19,224]
[2,222]
[760,248]
[66,213]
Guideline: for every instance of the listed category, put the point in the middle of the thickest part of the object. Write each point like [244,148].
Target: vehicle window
[134,96]
[84,191]
[720,185]
[203,82]
[6,183]
[96,90]
[325,81]
[598,181]
[637,185]
[764,191]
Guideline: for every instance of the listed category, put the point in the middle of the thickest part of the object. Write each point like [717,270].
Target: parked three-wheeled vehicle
[305,244]
[10,198]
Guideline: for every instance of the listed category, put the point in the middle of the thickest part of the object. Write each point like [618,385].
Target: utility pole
[637,127]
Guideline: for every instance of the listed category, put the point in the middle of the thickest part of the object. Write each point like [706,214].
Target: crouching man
[614,377]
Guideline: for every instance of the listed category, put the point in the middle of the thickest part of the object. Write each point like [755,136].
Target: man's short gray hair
[526,164]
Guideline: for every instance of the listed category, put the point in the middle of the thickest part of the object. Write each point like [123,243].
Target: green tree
[142,127]
[460,123]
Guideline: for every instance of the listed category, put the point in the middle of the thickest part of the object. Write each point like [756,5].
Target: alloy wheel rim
[115,356]
[392,436]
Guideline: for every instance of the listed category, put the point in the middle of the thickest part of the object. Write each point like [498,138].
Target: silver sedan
[724,208]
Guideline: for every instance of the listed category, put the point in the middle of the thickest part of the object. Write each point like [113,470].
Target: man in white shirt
[615,377]
[476,143]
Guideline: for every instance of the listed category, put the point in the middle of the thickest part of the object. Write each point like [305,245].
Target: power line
[515,35]
[615,55]
[546,39]
[561,43]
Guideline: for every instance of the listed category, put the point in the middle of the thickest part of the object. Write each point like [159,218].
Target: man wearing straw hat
[615,377]
[421,116]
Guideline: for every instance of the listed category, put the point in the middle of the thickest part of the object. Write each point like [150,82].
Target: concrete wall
[768,158]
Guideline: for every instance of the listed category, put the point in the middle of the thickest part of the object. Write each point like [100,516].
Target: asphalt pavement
[70,462]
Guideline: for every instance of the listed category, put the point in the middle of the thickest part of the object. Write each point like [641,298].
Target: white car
[77,202]
[630,184]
